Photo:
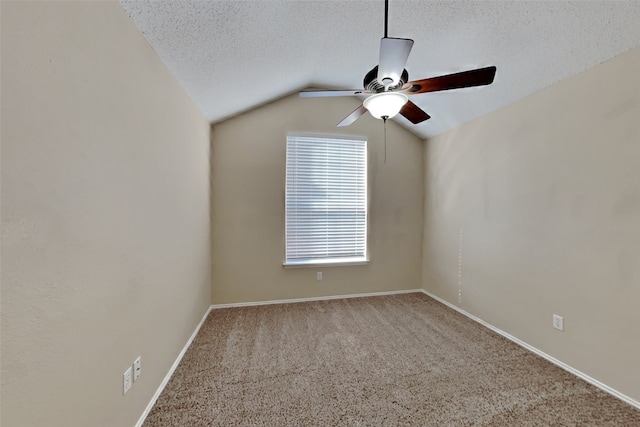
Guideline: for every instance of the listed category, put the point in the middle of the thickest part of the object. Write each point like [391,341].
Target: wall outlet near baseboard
[137,368]
[558,322]
[126,380]
[319,275]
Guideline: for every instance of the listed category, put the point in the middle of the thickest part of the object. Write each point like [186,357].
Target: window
[326,200]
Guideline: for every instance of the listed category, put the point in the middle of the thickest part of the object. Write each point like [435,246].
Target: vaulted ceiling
[231,56]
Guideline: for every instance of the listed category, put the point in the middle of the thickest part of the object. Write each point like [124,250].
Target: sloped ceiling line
[233,55]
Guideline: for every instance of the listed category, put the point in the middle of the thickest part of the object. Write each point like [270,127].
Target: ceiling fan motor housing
[372,84]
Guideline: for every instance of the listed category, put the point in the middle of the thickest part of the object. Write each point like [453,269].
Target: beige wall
[105,215]
[546,193]
[248,175]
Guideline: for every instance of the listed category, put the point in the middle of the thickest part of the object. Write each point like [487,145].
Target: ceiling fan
[387,85]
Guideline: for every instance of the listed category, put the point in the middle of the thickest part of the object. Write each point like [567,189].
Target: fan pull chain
[384,119]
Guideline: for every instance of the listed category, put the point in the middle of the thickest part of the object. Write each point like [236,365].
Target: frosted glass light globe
[386,104]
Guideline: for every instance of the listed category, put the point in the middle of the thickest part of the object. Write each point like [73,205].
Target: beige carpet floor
[402,360]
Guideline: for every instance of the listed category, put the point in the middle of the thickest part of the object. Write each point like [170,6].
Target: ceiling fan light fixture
[385,104]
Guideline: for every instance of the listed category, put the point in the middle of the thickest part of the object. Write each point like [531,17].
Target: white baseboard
[293,300]
[540,353]
[167,377]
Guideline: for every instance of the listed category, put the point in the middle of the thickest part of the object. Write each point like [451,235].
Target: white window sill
[326,263]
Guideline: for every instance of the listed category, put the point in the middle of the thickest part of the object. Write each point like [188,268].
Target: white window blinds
[326,200]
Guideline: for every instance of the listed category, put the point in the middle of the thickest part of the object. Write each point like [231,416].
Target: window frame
[328,261]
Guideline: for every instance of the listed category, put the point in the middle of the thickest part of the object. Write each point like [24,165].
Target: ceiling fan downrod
[386,17]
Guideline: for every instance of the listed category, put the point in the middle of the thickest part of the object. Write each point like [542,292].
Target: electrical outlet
[558,322]
[459,296]
[137,368]
[126,380]
[319,275]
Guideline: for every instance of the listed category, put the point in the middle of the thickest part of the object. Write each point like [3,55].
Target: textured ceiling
[231,56]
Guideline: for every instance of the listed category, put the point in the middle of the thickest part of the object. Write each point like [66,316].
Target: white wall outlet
[558,322]
[319,275]
[137,368]
[126,380]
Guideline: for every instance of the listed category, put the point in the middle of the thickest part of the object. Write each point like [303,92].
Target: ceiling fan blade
[393,57]
[353,116]
[479,77]
[324,93]
[413,113]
